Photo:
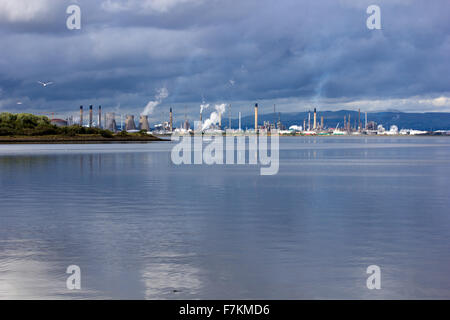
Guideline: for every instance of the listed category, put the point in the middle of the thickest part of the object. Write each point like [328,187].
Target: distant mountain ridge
[428,121]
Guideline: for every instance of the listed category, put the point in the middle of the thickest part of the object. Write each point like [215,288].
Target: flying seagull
[44,84]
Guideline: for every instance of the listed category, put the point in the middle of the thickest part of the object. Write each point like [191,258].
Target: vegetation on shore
[24,127]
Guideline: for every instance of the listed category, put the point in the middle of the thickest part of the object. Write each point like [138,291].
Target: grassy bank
[28,128]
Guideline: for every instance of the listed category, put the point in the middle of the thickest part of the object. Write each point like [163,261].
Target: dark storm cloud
[291,52]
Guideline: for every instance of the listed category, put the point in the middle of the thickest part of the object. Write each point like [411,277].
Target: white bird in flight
[44,84]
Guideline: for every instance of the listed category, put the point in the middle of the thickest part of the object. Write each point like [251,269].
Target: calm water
[140,227]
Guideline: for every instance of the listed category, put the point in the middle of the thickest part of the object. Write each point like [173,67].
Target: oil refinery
[314,124]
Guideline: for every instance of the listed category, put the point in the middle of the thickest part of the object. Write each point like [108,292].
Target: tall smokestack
[90,116]
[81,116]
[99,116]
[304,124]
[274,115]
[171,120]
[220,120]
[229,117]
[366,122]
[239,121]
[256,117]
[315,119]
[359,119]
[309,120]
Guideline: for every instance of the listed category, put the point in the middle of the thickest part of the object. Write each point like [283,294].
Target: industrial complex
[313,125]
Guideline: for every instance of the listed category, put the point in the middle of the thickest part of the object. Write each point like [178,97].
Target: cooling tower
[143,123]
[90,116]
[129,123]
[81,115]
[110,121]
[256,117]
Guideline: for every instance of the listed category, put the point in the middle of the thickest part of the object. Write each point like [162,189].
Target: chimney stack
[90,116]
[366,121]
[171,120]
[309,120]
[315,119]
[256,117]
[81,116]
[359,119]
[100,116]
[239,121]
[229,117]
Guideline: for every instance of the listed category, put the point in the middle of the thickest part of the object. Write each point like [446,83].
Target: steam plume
[203,106]
[215,116]
[161,94]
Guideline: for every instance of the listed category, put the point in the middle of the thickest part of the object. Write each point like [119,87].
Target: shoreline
[88,139]
[97,139]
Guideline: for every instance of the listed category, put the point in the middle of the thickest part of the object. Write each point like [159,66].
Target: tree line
[26,124]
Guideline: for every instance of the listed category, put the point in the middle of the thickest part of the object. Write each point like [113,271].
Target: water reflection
[141,227]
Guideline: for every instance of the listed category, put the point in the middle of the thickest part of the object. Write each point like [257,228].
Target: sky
[293,53]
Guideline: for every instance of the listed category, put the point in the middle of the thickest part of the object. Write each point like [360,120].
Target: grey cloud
[293,53]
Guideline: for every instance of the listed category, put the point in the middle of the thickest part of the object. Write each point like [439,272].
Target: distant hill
[419,121]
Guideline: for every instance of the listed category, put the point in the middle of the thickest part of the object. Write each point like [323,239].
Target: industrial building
[59,122]
[313,124]
[110,121]
[143,123]
[129,123]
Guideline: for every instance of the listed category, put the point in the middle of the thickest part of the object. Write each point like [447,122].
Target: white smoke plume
[220,108]
[203,106]
[161,94]
[215,116]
